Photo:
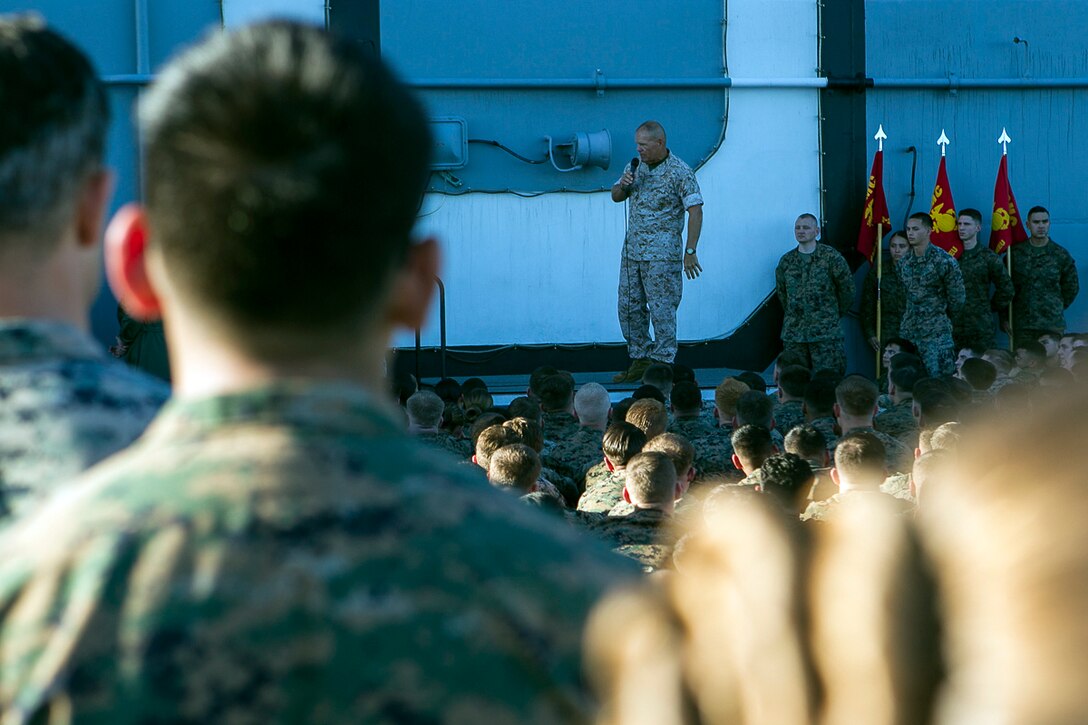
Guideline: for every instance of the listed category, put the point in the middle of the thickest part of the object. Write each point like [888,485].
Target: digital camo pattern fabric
[659,198]
[897,457]
[815,290]
[824,355]
[459,448]
[650,291]
[898,422]
[604,489]
[64,406]
[714,455]
[641,534]
[289,554]
[829,427]
[789,415]
[572,456]
[823,510]
[692,427]
[558,425]
[934,295]
[976,324]
[1045,282]
[898,485]
[892,301]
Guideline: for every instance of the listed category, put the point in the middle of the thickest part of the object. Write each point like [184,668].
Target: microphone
[634,168]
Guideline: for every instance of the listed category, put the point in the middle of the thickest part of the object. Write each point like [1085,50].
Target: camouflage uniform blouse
[815,290]
[1046,283]
[659,198]
[64,406]
[289,554]
[934,294]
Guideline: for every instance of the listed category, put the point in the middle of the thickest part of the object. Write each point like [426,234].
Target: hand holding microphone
[628,179]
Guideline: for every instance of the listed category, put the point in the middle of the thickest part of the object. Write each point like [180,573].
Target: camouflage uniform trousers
[825,354]
[650,291]
[938,354]
[253,544]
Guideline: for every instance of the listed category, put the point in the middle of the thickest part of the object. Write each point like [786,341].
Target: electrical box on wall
[450,142]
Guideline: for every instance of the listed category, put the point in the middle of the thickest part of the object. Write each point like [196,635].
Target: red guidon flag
[942,211]
[1005,227]
[876,209]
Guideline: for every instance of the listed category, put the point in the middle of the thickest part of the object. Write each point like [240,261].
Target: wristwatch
[689,250]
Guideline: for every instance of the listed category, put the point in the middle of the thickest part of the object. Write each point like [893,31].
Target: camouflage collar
[26,340]
[315,407]
[647,515]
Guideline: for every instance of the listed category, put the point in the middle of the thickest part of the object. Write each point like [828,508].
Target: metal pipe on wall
[627,84]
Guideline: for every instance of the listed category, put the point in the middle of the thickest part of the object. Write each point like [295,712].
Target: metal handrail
[441,330]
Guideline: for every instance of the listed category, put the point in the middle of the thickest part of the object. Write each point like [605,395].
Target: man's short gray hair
[592,403]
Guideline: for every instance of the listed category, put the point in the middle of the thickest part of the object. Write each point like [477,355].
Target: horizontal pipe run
[628,84]
[951,84]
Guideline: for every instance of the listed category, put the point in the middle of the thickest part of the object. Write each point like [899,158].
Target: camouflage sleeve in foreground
[333,572]
[64,406]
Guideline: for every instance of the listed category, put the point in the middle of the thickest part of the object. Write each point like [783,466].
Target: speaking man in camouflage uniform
[934,294]
[64,403]
[661,188]
[976,324]
[1044,276]
[814,285]
[276,548]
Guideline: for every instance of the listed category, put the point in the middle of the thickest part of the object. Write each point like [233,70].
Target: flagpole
[879,137]
[879,304]
[1004,140]
[1008,261]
